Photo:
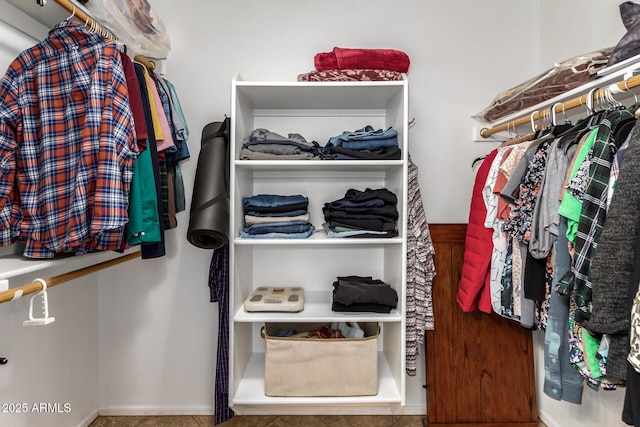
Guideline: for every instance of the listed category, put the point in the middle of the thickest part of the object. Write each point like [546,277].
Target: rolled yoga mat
[209,215]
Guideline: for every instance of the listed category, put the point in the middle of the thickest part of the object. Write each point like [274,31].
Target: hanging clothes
[77,176]
[593,212]
[155,249]
[143,225]
[421,271]
[164,141]
[65,200]
[631,408]
[612,269]
[180,152]
[474,287]
[554,195]
[492,221]
[561,380]
[219,292]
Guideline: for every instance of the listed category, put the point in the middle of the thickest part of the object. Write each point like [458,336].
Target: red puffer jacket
[474,288]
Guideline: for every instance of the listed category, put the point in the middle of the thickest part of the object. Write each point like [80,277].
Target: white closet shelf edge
[13,266]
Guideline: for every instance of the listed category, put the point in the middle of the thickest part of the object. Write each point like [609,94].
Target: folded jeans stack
[368,213]
[363,294]
[364,144]
[268,216]
[262,144]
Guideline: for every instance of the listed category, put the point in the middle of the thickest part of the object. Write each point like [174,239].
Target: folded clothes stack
[364,144]
[361,294]
[348,64]
[368,213]
[268,216]
[262,144]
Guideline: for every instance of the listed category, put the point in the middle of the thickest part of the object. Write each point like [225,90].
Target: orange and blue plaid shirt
[67,145]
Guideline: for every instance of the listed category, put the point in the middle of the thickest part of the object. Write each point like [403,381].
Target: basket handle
[262,332]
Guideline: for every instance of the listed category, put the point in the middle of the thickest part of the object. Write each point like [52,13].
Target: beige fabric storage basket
[301,367]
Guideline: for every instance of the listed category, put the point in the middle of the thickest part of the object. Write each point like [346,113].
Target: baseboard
[412,410]
[546,419]
[194,410]
[89,419]
[154,410]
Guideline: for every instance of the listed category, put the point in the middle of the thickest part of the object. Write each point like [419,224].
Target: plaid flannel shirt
[67,145]
[594,210]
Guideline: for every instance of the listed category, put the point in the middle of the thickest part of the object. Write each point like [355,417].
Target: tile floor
[265,421]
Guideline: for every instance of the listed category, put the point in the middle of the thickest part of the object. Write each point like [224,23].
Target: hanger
[533,124]
[564,113]
[534,128]
[45,319]
[477,159]
[574,133]
[595,117]
[591,100]
[556,129]
[73,13]
[517,138]
[512,130]
[554,119]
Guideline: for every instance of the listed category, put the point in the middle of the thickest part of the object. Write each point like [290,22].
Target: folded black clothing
[370,307]
[368,194]
[382,212]
[361,279]
[363,290]
[364,224]
[341,153]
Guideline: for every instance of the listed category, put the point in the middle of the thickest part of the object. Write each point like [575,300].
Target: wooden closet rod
[34,287]
[563,106]
[144,61]
[92,23]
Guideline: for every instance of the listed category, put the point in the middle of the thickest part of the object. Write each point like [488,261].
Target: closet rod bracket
[478,132]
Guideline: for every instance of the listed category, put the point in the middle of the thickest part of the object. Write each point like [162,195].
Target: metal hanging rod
[92,23]
[36,286]
[560,107]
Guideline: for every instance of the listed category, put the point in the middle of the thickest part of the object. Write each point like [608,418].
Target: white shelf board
[320,238]
[251,389]
[12,266]
[318,95]
[323,165]
[317,308]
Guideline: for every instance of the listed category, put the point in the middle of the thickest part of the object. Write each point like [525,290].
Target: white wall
[573,27]
[55,364]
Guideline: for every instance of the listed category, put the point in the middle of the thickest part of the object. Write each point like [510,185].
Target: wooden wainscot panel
[479,366]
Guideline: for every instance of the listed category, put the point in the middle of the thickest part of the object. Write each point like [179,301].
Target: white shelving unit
[317,111]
